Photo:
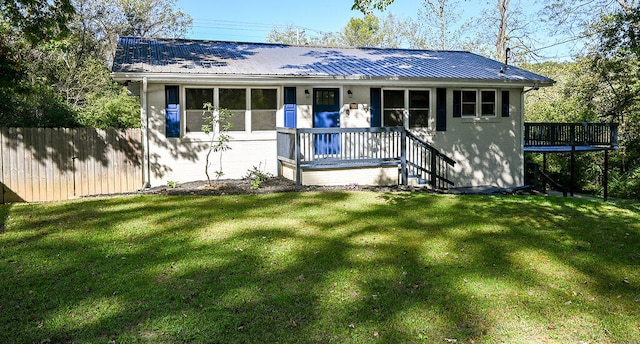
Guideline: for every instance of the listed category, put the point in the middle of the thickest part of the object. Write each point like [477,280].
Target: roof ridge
[295,45]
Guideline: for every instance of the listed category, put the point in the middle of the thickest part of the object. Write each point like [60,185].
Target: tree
[37,21]
[363,32]
[290,34]
[369,31]
[437,26]
[570,23]
[54,60]
[506,27]
[24,24]
[103,21]
[216,126]
[367,6]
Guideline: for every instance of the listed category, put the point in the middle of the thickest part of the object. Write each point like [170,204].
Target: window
[488,106]
[393,111]
[264,105]
[260,104]
[325,97]
[418,109]
[196,98]
[234,100]
[416,102]
[466,104]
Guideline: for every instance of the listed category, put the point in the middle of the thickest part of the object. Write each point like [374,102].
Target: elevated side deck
[572,138]
[568,137]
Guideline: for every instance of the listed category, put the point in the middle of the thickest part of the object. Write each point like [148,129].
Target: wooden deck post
[544,169]
[297,155]
[573,169]
[573,159]
[605,177]
[403,158]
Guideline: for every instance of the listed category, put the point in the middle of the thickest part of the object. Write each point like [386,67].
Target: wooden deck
[567,137]
[571,138]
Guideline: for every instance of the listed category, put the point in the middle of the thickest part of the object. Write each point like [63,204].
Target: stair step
[420,180]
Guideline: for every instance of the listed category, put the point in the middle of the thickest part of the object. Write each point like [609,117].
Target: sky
[252,20]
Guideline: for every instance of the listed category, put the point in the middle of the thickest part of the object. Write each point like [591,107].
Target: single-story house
[329,116]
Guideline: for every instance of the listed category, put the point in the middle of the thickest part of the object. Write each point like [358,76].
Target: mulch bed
[271,185]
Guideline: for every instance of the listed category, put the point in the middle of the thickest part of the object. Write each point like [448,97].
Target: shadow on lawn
[405,268]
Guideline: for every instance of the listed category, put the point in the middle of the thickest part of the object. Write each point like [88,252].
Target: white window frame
[462,103]
[403,108]
[478,103]
[429,112]
[247,133]
[495,102]
[279,105]
[406,111]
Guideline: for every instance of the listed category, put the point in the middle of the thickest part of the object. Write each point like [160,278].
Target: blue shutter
[375,107]
[290,107]
[172,112]
[441,109]
[505,103]
[457,103]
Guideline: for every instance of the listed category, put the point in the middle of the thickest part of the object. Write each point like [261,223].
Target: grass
[320,267]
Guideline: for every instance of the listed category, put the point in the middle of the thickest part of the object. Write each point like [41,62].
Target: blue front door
[326,114]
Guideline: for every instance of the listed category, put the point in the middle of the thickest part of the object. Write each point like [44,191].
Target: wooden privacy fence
[49,164]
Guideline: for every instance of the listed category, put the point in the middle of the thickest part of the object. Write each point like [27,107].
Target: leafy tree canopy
[55,55]
[37,20]
[367,6]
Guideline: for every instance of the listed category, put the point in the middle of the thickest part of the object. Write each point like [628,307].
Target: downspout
[521,150]
[146,173]
[535,87]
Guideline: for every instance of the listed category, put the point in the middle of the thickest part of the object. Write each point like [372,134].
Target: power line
[206,26]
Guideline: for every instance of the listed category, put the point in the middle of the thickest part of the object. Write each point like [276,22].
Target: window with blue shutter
[505,103]
[172,111]
[290,107]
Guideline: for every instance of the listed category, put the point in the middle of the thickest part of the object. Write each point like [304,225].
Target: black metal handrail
[427,163]
[571,134]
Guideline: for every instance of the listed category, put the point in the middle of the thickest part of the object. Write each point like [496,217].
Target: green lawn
[320,267]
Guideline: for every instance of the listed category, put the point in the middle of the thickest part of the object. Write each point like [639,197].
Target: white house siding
[183,159]
[487,151]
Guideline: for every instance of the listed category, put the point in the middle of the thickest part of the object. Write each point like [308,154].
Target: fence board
[45,164]
[2,140]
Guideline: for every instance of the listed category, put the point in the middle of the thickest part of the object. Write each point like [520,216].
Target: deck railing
[427,163]
[571,134]
[309,148]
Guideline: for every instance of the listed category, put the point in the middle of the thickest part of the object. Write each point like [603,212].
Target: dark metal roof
[148,56]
